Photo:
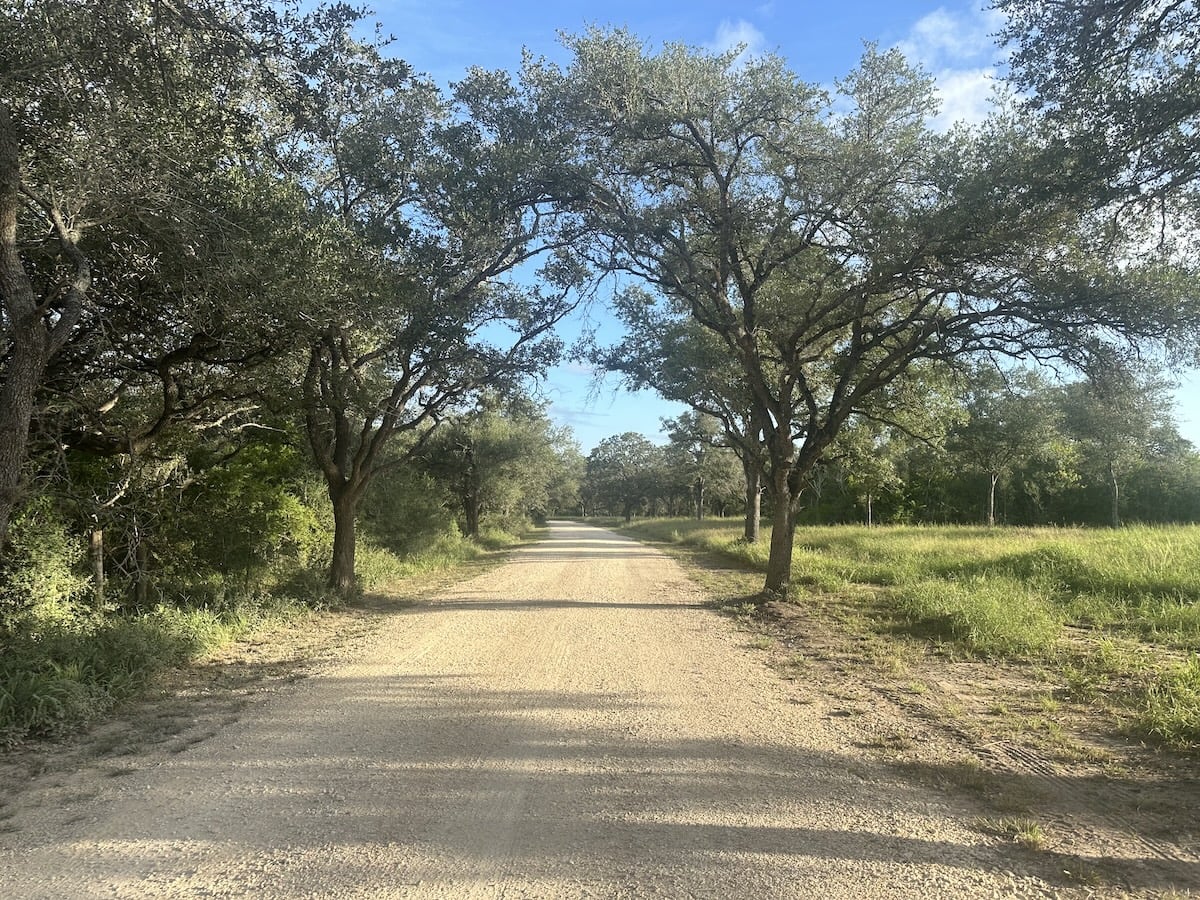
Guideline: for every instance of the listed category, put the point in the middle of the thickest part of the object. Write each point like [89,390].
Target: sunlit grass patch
[988,616]
[1170,710]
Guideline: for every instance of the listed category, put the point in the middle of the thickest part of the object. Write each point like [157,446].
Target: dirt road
[572,724]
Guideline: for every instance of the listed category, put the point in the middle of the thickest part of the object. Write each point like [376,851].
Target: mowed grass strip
[1024,594]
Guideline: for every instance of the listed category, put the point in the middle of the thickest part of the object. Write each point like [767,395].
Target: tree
[498,457]
[112,113]
[697,442]
[826,253]
[683,362]
[432,202]
[623,471]
[1118,415]
[1009,420]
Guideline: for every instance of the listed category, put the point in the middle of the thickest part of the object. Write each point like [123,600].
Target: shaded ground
[576,723]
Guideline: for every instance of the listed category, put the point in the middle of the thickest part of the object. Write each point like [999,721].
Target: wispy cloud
[958,47]
[944,37]
[731,35]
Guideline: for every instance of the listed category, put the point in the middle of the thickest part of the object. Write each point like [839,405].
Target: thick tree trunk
[345,540]
[27,340]
[32,336]
[26,363]
[753,501]
[993,480]
[783,534]
[96,556]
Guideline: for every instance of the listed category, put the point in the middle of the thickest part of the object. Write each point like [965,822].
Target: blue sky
[821,41]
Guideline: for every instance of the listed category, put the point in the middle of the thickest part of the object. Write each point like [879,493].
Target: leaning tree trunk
[753,501]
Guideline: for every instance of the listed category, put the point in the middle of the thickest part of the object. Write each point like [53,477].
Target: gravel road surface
[574,723]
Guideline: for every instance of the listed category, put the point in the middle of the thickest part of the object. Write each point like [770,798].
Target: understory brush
[67,656]
[1022,594]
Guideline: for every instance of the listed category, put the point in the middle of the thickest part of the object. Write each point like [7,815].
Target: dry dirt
[576,723]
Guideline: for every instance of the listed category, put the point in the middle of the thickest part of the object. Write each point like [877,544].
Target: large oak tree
[829,243]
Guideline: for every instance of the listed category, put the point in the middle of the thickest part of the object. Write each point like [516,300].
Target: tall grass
[1010,592]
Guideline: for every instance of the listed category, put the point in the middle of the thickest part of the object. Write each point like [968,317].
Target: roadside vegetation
[66,658]
[1116,614]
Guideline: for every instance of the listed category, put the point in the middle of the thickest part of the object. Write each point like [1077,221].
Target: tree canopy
[824,245]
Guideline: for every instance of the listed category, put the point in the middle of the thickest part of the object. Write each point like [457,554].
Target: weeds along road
[572,724]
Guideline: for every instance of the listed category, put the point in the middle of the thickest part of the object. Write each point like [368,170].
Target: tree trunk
[141,582]
[27,340]
[993,479]
[753,501]
[96,555]
[783,533]
[1114,490]
[32,334]
[345,514]
[870,512]
[699,498]
[471,512]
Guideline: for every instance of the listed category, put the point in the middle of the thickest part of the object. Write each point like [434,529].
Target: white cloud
[731,35]
[945,37]
[966,96]
[959,48]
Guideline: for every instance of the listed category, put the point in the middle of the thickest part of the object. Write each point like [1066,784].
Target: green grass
[54,675]
[60,665]
[1133,594]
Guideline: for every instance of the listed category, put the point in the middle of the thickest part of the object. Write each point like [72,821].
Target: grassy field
[1118,609]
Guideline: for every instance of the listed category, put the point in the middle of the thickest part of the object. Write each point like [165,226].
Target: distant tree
[683,362]
[623,471]
[1119,416]
[499,457]
[564,490]
[1010,419]
[703,456]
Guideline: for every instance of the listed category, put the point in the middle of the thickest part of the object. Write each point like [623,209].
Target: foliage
[40,579]
[1119,84]
[826,247]
[623,472]
[499,459]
